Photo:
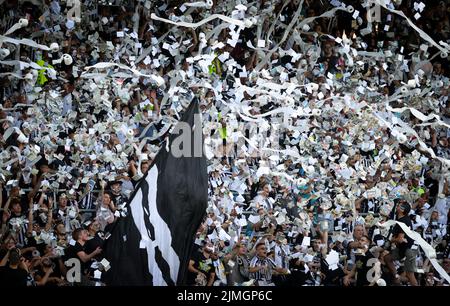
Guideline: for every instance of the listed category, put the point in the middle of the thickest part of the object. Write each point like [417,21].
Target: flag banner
[152,244]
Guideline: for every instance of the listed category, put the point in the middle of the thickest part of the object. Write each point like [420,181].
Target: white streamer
[240,23]
[418,115]
[428,249]
[21,24]
[199,4]
[103,65]
[24,41]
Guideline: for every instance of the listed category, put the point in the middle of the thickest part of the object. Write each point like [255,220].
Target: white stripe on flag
[153,267]
[163,236]
[138,218]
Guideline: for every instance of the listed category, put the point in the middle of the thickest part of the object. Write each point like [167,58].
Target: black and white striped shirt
[263,274]
[87,202]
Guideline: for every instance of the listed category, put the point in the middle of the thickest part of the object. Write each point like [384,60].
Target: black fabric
[72,252]
[333,277]
[94,243]
[372,205]
[432,185]
[13,277]
[127,260]
[181,200]
[363,266]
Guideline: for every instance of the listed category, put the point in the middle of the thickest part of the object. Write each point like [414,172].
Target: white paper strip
[240,23]
[427,249]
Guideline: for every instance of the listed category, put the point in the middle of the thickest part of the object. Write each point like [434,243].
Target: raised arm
[132,167]
[41,198]
[36,185]
[194,40]
[102,191]
[30,216]
[48,225]
[8,202]
[4,259]
[42,281]
[349,276]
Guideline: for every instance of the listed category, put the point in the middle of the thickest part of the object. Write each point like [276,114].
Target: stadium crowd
[316,133]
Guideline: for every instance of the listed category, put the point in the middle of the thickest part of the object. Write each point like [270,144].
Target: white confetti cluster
[337,122]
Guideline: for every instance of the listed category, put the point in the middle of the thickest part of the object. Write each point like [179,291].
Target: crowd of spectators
[313,136]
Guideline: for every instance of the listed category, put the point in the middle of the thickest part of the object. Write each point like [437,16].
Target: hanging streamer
[422,34]
[199,4]
[419,115]
[429,251]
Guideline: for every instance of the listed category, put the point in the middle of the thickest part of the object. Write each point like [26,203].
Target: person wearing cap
[405,248]
[65,213]
[105,212]
[116,192]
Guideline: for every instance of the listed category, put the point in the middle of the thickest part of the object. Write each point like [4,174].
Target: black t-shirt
[72,252]
[57,217]
[432,185]
[397,230]
[93,243]
[364,265]
[39,245]
[332,277]
[202,264]
[118,199]
[13,277]
[3,253]
[297,277]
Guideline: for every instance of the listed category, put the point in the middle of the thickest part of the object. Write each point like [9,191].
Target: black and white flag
[152,244]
